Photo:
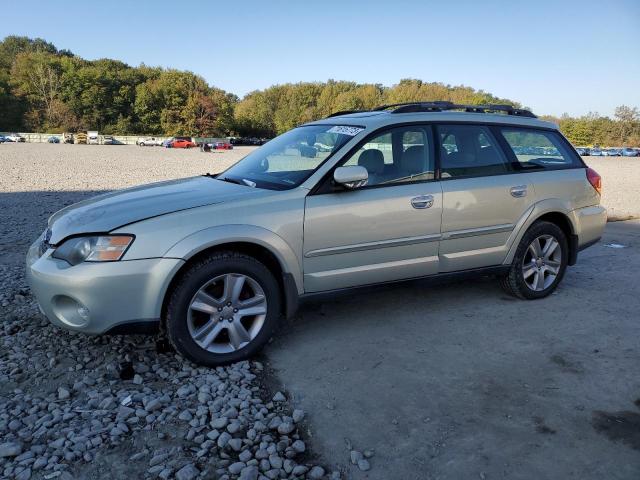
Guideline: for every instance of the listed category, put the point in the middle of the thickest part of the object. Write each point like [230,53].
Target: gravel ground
[73,406]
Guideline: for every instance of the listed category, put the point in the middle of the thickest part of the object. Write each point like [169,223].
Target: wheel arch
[553,212]
[191,250]
[565,224]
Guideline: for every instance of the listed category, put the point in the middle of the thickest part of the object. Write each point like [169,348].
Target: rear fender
[537,210]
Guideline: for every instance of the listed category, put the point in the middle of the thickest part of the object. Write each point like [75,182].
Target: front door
[388,230]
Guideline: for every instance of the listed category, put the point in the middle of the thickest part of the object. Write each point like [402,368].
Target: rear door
[555,169]
[483,197]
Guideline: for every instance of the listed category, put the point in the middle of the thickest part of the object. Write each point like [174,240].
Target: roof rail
[440,106]
[344,112]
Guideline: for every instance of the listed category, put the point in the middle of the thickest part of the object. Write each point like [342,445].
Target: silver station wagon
[356,199]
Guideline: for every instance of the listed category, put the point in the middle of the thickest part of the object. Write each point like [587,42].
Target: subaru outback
[359,198]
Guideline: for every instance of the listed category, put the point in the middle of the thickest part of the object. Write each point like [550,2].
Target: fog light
[70,311]
[83,312]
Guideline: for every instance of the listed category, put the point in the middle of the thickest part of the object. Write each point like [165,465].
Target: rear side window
[469,151]
[539,148]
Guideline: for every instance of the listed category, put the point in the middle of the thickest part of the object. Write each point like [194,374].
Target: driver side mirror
[351,177]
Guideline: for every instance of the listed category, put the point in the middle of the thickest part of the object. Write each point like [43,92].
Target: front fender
[223,234]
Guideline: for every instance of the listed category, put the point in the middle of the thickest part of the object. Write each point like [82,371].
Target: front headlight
[103,248]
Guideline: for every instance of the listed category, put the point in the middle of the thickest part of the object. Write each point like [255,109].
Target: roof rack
[440,106]
[344,112]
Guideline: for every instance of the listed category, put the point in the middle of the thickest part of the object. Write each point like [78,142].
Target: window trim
[321,187]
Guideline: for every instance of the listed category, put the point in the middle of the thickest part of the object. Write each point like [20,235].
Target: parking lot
[449,381]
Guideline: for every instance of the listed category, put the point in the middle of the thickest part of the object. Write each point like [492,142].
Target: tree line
[46,89]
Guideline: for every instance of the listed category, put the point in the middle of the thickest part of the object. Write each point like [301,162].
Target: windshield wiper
[230,180]
[244,182]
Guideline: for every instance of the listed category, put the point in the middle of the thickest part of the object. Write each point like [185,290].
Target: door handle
[519,191]
[422,201]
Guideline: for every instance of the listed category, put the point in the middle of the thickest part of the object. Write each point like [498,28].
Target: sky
[555,57]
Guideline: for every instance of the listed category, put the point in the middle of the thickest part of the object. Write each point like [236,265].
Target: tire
[523,280]
[190,323]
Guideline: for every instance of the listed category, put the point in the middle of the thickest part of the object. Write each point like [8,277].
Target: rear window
[539,148]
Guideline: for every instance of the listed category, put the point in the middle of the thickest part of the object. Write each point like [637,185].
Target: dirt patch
[542,427]
[619,426]
[566,365]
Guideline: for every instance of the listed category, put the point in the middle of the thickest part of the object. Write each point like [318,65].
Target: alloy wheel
[227,313]
[541,262]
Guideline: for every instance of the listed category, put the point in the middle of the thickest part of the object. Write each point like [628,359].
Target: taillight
[595,180]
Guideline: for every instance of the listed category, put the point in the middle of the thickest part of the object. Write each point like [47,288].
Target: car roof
[377,119]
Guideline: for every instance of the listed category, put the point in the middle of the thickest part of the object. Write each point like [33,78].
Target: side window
[539,148]
[399,155]
[469,151]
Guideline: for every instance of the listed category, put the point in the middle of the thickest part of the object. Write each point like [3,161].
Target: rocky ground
[73,406]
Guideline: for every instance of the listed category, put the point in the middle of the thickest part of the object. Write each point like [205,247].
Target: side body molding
[210,237]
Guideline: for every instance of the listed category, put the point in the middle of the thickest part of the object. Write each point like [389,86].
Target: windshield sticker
[345,130]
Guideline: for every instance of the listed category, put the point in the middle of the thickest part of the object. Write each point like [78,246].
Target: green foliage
[281,107]
[594,129]
[46,89]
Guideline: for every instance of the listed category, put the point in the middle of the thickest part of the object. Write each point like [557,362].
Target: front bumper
[95,298]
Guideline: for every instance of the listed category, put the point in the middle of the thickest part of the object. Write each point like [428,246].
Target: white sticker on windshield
[345,130]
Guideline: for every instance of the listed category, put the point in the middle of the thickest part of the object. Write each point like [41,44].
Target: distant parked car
[80,138]
[53,139]
[109,140]
[183,142]
[15,137]
[149,142]
[596,152]
[222,146]
[582,151]
[630,152]
[611,152]
[3,139]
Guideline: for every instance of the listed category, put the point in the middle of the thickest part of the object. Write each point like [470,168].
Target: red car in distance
[183,143]
[222,146]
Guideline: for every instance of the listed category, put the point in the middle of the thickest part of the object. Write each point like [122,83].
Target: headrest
[373,160]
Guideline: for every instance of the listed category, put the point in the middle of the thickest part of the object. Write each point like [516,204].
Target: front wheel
[539,262]
[223,309]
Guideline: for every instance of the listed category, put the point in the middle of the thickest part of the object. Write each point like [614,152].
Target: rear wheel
[539,262]
[223,309]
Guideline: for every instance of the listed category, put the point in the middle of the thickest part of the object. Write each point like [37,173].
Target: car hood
[109,211]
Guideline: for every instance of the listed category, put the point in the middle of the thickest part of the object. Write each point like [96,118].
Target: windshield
[288,160]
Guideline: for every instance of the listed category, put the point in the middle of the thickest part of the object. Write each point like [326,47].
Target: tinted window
[469,151]
[539,148]
[398,155]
